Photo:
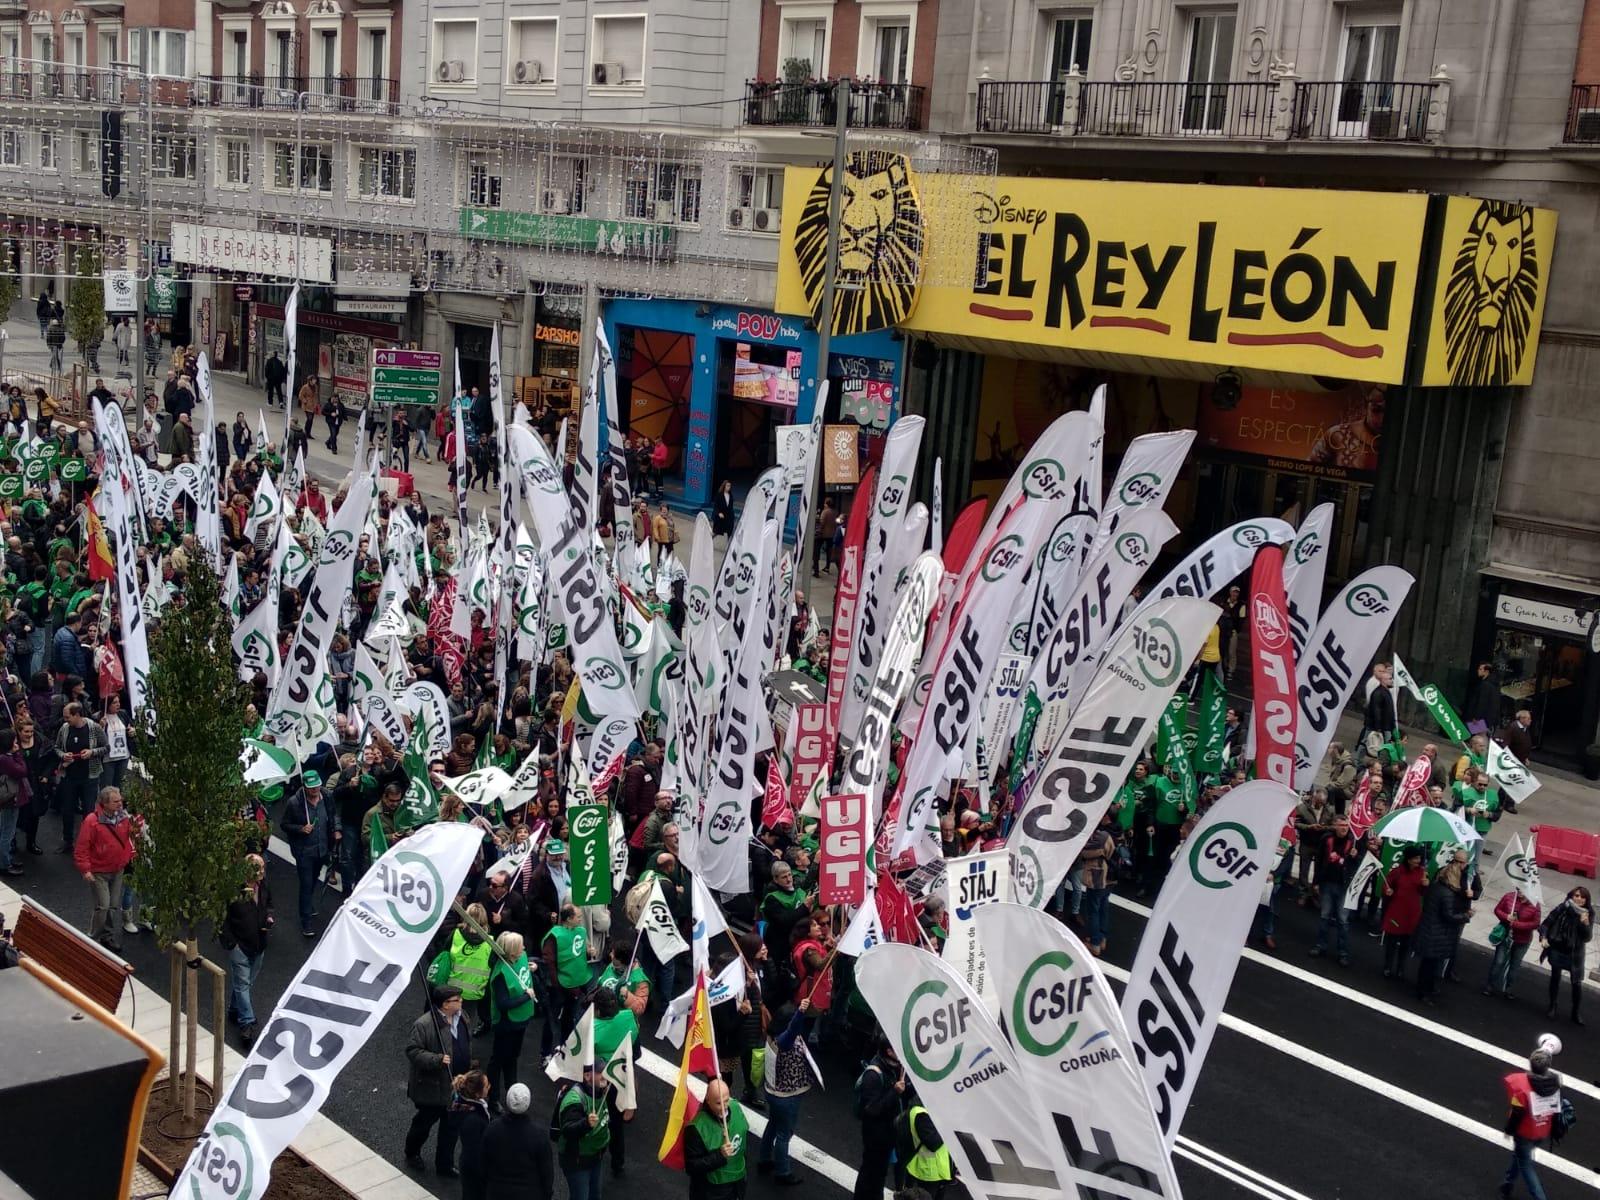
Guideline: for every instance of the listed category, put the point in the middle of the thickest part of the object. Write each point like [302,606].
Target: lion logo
[880,243]
[1491,295]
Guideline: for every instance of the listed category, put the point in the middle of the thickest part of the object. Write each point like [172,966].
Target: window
[532,58]
[618,52]
[85,152]
[308,167]
[172,156]
[325,60]
[804,38]
[13,148]
[49,147]
[483,183]
[455,53]
[668,193]
[10,49]
[375,59]
[1205,101]
[386,173]
[281,59]
[1368,63]
[1069,46]
[752,190]
[106,47]
[239,54]
[159,51]
[892,50]
[566,184]
[235,162]
[44,47]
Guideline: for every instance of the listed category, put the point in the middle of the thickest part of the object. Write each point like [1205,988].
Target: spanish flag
[101,564]
[699,1058]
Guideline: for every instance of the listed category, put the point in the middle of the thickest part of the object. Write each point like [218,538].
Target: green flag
[421,801]
[589,853]
[1031,709]
[1171,750]
[1213,719]
[1438,707]
[378,844]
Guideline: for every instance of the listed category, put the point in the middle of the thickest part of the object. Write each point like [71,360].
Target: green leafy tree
[86,301]
[10,289]
[192,864]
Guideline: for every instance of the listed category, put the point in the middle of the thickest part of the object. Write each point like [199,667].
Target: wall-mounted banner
[1308,282]
[1332,435]
[353,977]
[842,849]
[1489,293]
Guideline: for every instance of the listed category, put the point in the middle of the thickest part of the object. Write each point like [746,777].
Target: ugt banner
[591,859]
[842,849]
[352,978]
[810,749]
[1272,669]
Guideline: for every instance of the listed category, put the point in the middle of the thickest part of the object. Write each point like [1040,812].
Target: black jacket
[471,1119]
[276,370]
[429,1081]
[1379,714]
[248,920]
[516,1158]
[318,843]
[699,1160]
[881,1105]
[1444,915]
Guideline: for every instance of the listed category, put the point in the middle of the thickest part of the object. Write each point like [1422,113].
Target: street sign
[406,376]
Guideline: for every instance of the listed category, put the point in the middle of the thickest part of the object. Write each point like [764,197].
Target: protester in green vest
[465,964]
[1126,804]
[567,961]
[613,1025]
[584,1120]
[924,1158]
[1477,802]
[714,1146]
[511,1007]
[624,976]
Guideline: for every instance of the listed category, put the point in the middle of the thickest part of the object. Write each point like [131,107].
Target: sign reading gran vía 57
[1287,280]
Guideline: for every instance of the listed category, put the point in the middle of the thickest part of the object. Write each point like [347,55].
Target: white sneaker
[129,927]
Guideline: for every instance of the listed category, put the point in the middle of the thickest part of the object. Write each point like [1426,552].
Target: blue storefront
[715,381]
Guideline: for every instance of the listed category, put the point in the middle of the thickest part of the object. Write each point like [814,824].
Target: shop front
[717,382]
[333,348]
[1351,348]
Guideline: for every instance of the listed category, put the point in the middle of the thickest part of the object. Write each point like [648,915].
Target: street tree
[86,301]
[192,794]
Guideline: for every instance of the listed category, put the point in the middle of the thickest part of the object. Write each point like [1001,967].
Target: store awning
[1545,579]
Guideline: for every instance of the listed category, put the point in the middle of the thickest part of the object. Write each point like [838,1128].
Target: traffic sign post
[406,376]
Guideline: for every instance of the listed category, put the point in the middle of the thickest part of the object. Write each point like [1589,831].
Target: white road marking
[1388,1090]
[1262,1185]
[1514,1058]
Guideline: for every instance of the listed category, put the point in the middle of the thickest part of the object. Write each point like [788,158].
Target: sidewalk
[366,1173]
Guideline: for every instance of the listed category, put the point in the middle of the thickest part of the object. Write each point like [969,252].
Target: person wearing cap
[566,955]
[1534,1099]
[584,1121]
[714,1146]
[439,1046]
[516,1154]
[614,1024]
[548,886]
[309,826]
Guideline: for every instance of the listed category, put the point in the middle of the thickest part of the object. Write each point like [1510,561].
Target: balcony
[812,105]
[1283,110]
[1583,116]
[323,94]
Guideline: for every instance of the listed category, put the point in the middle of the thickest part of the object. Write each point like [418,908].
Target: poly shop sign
[1308,282]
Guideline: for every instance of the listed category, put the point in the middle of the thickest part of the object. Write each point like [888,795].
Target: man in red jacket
[1521,917]
[1534,1097]
[102,852]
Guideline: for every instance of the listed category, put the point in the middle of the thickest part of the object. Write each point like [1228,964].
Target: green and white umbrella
[1429,826]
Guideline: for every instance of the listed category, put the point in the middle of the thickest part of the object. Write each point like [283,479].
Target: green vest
[469,967]
[710,1131]
[1168,797]
[1126,805]
[572,965]
[593,1143]
[611,980]
[517,981]
[930,1166]
[608,1034]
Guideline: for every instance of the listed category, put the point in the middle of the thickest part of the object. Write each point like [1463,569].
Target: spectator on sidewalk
[103,851]
[56,339]
[1518,917]
[244,936]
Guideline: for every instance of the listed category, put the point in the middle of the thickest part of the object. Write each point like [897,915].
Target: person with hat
[545,888]
[516,1154]
[714,1146]
[310,828]
[439,1044]
[1534,1100]
[584,1121]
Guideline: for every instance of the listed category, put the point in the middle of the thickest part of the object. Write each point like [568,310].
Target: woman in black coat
[722,511]
[1446,908]
[1563,936]
[469,1114]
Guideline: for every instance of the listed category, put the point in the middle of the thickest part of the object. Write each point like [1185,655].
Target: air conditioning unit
[528,71]
[1384,124]
[554,200]
[451,71]
[741,218]
[1586,125]
[767,219]
[608,74]
[666,212]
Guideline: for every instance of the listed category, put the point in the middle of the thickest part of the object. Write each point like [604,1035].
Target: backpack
[638,896]
[860,1107]
[555,1111]
[1562,931]
[1562,1123]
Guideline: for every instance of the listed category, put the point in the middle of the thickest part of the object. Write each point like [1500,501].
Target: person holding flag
[511,1007]
[565,951]
[583,1118]
[614,1025]
[788,1080]
[1519,917]
[715,1147]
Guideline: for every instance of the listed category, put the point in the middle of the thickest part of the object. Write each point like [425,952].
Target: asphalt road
[1321,1095]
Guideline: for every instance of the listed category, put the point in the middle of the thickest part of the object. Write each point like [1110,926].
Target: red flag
[842,840]
[775,811]
[963,537]
[449,646]
[1360,813]
[699,1058]
[101,565]
[844,605]
[1272,652]
[809,725]
[1413,789]
[896,912]
[108,666]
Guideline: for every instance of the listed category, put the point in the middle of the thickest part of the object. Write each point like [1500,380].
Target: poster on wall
[766,383]
[866,388]
[840,461]
[1333,435]
[350,354]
